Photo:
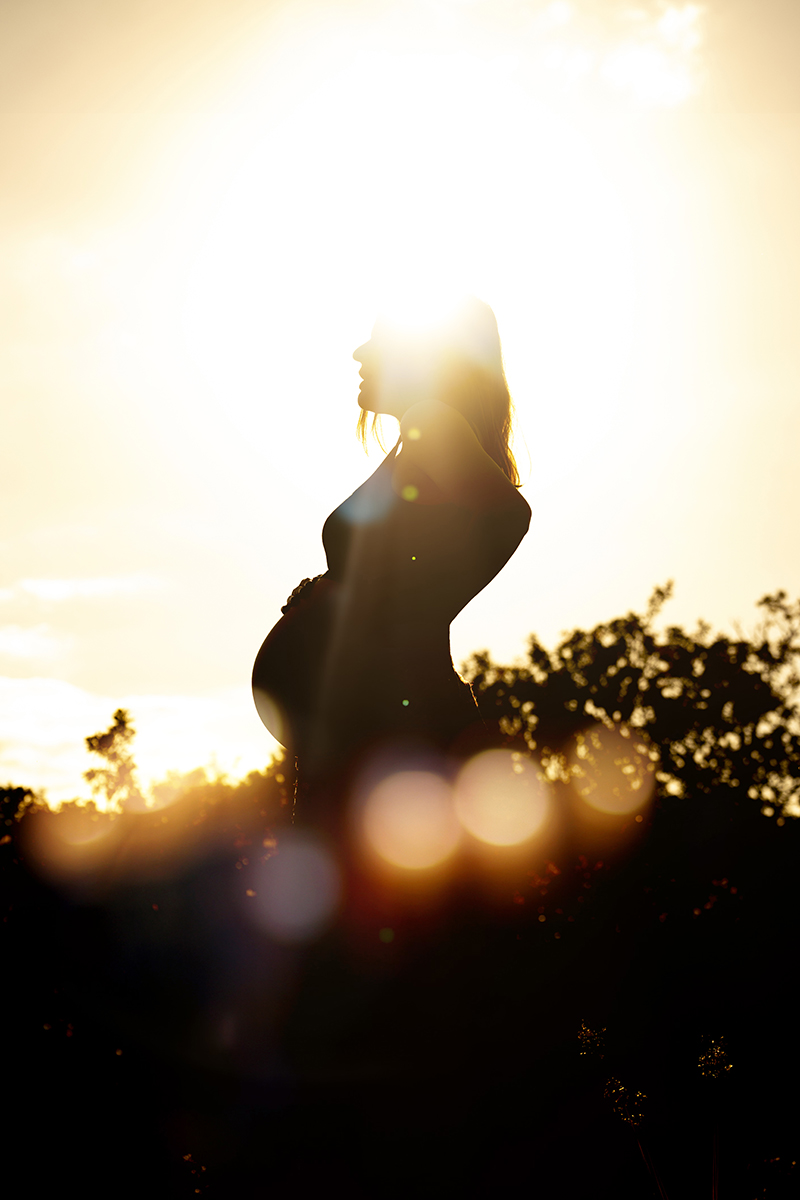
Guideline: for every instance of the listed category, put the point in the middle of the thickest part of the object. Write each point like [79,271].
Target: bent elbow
[522,515]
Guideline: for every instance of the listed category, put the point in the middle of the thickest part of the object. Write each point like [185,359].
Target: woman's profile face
[364,356]
[396,372]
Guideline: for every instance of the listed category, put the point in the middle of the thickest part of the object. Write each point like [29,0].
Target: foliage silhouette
[116,781]
[708,711]
[14,801]
[577,966]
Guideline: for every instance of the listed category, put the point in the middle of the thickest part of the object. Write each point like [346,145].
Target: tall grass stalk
[648,1162]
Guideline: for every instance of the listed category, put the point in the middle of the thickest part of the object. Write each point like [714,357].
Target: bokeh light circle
[610,772]
[500,798]
[298,891]
[408,819]
[72,843]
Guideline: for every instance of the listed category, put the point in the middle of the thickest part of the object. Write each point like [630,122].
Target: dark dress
[361,665]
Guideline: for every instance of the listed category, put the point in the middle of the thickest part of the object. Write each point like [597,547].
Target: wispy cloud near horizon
[89,589]
[38,641]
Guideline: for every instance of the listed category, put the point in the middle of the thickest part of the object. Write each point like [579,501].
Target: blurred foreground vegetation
[609,1014]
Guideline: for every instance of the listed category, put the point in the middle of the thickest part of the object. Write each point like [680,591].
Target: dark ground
[176,1051]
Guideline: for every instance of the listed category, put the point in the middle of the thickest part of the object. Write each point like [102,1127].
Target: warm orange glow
[500,798]
[72,843]
[408,819]
[79,846]
[609,773]
[191,255]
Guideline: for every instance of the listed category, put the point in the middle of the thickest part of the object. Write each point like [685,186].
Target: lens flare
[298,891]
[500,798]
[409,820]
[73,842]
[611,773]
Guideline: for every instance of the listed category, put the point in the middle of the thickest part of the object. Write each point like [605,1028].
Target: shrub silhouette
[670,942]
[712,712]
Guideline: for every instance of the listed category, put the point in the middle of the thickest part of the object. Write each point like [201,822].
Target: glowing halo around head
[439,326]
[500,798]
[408,820]
[420,306]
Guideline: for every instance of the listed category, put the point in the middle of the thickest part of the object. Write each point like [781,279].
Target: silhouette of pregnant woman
[360,663]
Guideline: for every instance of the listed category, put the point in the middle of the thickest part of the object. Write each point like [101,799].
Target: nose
[360,353]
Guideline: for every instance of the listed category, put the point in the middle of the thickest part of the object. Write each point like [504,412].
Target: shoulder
[441,442]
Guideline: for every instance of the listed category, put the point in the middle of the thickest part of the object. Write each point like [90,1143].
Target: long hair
[470,377]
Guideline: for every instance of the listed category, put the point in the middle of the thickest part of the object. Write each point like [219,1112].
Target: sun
[407,175]
[321,229]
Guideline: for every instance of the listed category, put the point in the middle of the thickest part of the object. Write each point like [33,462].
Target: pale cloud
[45,722]
[649,52]
[661,65]
[37,641]
[84,589]
[555,14]
[649,73]
[682,27]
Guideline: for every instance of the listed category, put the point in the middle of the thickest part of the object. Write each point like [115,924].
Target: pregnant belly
[288,670]
[327,681]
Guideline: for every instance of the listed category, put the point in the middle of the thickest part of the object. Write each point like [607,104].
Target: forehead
[391,337]
[468,332]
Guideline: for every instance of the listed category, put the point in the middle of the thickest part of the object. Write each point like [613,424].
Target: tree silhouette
[703,712]
[14,802]
[116,781]
[568,975]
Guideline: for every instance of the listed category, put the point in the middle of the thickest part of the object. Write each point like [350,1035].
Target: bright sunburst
[414,172]
[454,179]
[364,159]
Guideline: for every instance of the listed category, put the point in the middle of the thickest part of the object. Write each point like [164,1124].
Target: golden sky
[201,205]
